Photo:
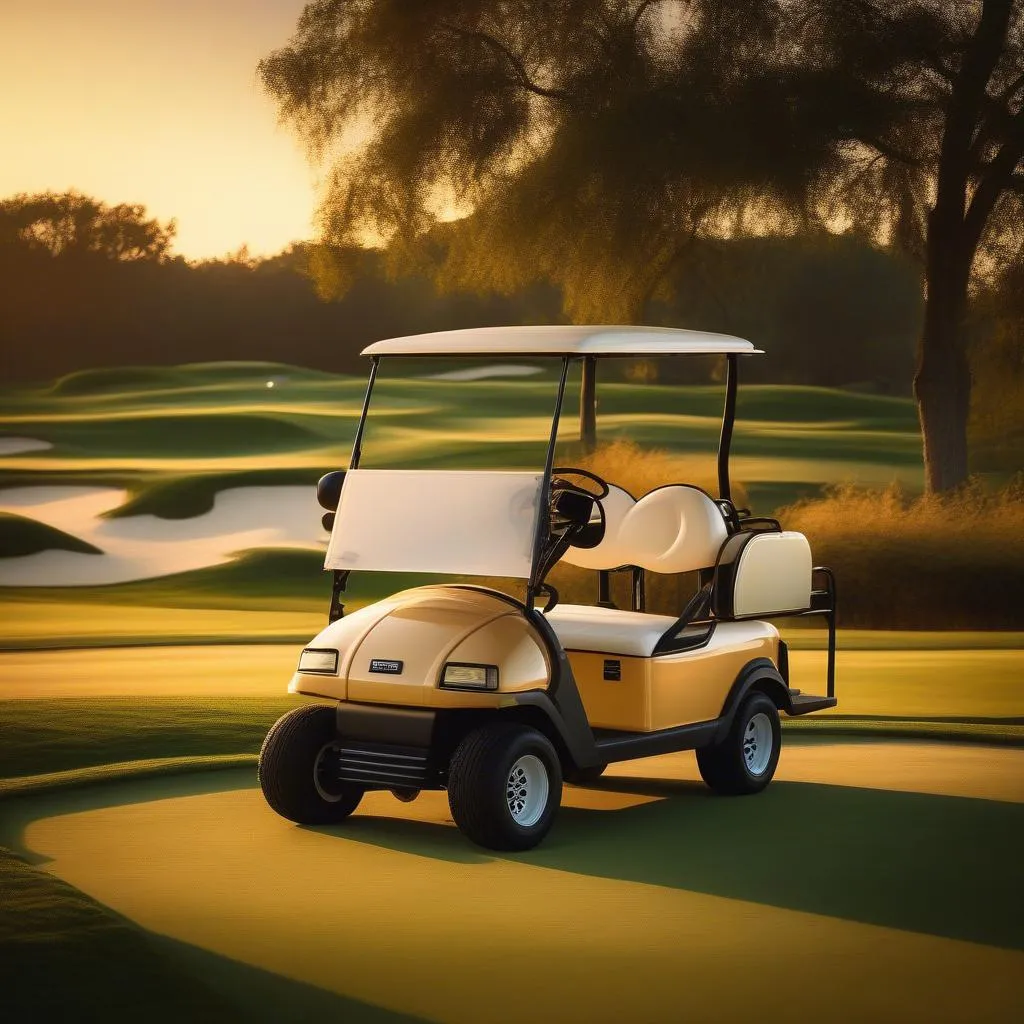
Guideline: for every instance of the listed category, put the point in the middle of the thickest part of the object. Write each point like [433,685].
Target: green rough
[21,536]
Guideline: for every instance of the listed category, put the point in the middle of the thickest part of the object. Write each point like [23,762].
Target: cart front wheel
[294,769]
[504,786]
[745,761]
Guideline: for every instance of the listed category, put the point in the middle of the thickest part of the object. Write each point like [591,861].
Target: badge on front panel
[391,668]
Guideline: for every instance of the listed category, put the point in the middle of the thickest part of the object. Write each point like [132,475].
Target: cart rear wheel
[292,769]
[745,761]
[504,786]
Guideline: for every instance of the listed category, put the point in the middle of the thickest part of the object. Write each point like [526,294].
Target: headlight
[319,660]
[469,677]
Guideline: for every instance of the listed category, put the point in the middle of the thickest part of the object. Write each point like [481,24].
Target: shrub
[932,562]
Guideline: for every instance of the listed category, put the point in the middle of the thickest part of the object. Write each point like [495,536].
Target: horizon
[121,122]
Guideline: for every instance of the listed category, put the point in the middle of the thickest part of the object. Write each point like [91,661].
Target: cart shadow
[939,865]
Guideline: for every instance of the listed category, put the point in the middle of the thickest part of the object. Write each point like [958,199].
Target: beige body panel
[674,689]
[424,629]
[429,626]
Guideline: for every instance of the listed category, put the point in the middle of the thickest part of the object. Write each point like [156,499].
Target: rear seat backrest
[672,529]
[763,574]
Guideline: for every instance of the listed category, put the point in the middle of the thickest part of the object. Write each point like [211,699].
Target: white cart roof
[562,341]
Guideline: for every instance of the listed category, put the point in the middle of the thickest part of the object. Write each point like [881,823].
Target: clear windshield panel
[450,470]
[482,413]
[443,521]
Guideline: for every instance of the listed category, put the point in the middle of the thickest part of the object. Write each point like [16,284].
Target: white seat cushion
[676,528]
[608,630]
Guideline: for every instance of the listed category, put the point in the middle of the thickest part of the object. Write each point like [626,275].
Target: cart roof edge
[562,340]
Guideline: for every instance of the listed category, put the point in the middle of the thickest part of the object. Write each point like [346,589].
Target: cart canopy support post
[588,404]
[728,418]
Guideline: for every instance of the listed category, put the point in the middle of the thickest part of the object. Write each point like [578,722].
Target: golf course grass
[880,867]
[67,957]
[143,877]
[66,710]
[171,433]
[20,536]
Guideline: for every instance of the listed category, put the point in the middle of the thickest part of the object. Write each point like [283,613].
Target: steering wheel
[573,507]
[558,481]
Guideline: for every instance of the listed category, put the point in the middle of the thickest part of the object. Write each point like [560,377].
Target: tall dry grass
[930,562]
[639,470]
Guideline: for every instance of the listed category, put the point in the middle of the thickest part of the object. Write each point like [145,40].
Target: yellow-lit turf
[87,623]
[908,684]
[870,882]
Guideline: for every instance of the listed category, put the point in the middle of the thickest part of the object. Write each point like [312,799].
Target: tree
[70,224]
[593,141]
[940,170]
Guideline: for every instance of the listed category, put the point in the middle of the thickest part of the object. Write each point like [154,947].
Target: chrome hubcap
[757,743]
[526,790]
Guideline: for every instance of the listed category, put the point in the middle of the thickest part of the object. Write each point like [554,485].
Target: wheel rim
[527,790]
[319,770]
[757,743]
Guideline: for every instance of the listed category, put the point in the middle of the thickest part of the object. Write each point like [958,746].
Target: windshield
[452,455]
[482,413]
[450,469]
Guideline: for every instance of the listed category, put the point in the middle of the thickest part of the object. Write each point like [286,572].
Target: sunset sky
[155,102]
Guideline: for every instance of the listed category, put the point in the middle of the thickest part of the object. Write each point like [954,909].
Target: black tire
[288,769]
[585,776]
[725,766]
[479,780]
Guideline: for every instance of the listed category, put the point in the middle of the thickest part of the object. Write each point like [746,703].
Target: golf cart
[497,698]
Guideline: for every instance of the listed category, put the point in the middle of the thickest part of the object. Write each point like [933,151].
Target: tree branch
[519,69]
[994,181]
[891,152]
[968,92]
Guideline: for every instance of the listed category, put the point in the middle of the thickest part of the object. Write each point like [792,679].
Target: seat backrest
[676,528]
[762,574]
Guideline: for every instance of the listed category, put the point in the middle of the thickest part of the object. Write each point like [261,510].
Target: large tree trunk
[942,388]
[942,385]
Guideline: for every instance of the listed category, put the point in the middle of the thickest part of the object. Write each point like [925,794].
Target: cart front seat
[676,528]
[673,529]
[581,627]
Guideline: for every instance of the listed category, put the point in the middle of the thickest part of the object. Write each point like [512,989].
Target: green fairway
[885,864]
[174,435]
[61,711]
[42,737]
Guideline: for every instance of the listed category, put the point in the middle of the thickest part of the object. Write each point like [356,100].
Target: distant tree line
[90,285]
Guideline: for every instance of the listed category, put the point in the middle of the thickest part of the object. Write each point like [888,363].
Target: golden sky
[155,102]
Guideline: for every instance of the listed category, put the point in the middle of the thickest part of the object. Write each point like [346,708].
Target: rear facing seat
[676,529]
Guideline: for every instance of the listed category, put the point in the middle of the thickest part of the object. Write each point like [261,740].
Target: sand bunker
[142,547]
[17,445]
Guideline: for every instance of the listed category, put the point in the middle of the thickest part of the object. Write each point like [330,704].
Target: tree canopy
[592,141]
[69,224]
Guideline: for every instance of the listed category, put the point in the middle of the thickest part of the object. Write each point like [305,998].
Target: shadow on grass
[939,865]
[66,957]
